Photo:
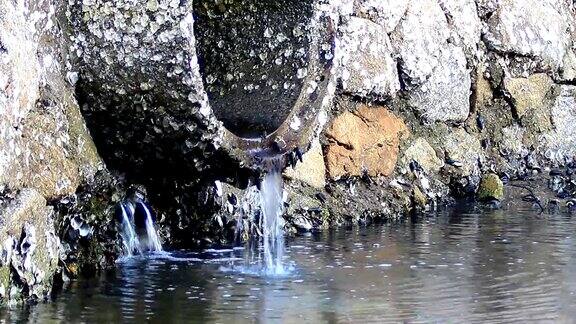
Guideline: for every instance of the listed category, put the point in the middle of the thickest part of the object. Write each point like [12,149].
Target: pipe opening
[256,58]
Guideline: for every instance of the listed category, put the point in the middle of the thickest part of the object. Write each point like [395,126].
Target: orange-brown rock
[366,140]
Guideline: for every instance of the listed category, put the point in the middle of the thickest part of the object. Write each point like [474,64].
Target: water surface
[462,265]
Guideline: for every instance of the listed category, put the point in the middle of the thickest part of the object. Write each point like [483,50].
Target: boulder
[460,146]
[44,143]
[559,144]
[367,64]
[423,153]
[465,22]
[535,28]
[366,140]
[445,95]
[419,38]
[528,93]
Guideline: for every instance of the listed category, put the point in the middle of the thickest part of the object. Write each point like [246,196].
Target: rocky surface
[44,143]
[538,29]
[365,141]
[30,247]
[46,152]
[491,187]
[368,67]
[435,100]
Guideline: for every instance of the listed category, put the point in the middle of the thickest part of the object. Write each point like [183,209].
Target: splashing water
[135,241]
[129,237]
[153,240]
[272,223]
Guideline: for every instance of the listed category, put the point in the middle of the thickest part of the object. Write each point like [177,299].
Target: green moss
[491,187]
[419,198]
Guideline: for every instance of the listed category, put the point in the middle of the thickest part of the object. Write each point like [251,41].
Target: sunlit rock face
[368,67]
[44,143]
[46,152]
[541,29]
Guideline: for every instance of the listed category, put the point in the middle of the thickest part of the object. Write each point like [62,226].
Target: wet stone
[491,187]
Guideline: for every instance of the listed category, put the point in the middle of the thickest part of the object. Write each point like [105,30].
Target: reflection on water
[458,266]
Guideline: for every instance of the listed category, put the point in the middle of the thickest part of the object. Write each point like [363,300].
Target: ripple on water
[453,267]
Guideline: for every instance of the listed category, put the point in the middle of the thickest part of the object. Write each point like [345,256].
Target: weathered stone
[530,97]
[560,143]
[512,139]
[419,38]
[312,169]
[384,12]
[528,93]
[463,17]
[534,28]
[463,147]
[486,7]
[423,153]
[419,198]
[367,64]
[482,93]
[44,143]
[568,70]
[29,246]
[445,96]
[491,187]
[364,141]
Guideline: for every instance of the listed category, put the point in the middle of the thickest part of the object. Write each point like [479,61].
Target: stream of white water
[133,241]
[152,237]
[272,223]
[129,237]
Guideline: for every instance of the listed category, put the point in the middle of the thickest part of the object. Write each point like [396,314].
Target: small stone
[491,187]
[419,198]
[463,150]
[152,5]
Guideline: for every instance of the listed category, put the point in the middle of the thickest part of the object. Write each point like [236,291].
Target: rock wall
[481,87]
[46,152]
[434,98]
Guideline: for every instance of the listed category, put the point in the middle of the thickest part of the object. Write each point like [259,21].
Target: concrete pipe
[175,82]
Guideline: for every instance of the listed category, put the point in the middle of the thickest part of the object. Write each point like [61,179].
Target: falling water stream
[138,240]
[272,223]
[129,238]
[151,235]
